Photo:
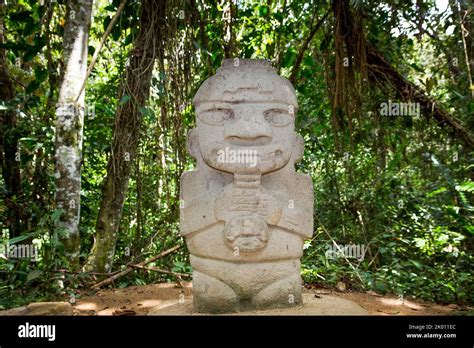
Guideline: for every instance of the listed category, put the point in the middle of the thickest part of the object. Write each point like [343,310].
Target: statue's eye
[216,117]
[278,117]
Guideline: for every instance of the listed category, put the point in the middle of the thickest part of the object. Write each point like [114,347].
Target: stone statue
[245,212]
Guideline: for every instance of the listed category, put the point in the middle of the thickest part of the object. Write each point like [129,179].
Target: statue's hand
[232,202]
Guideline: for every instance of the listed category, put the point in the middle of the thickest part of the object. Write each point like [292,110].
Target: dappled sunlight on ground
[86,306]
[138,300]
[377,304]
[400,302]
[135,300]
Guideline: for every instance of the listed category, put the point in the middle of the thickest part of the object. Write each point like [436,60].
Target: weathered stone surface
[41,308]
[245,212]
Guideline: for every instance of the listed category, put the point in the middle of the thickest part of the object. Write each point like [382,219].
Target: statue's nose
[249,130]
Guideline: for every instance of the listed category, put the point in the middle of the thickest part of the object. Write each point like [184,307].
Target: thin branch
[278,41]
[341,252]
[466,55]
[160,270]
[196,14]
[305,46]
[101,44]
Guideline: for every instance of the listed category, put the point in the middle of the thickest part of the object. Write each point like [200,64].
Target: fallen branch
[130,267]
[160,270]
[82,272]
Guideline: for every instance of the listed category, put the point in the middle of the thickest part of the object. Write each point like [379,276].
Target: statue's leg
[285,292]
[212,295]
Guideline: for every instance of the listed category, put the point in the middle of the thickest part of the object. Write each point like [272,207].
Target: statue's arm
[196,206]
[297,213]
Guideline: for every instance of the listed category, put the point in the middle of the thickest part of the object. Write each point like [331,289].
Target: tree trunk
[230,45]
[463,17]
[9,152]
[69,124]
[197,17]
[41,193]
[128,119]
[305,45]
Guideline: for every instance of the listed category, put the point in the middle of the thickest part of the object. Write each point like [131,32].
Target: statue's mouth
[255,142]
[246,159]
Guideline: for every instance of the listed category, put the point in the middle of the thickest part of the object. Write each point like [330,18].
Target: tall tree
[134,92]
[462,13]
[230,43]
[70,124]
[9,155]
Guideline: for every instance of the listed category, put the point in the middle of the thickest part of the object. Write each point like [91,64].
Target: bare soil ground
[138,300]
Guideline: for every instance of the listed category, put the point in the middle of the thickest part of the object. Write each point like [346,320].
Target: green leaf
[128,40]
[437,191]
[262,11]
[91,50]
[55,216]
[19,239]
[467,186]
[278,16]
[116,32]
[430,83]
[30,54]
[33,275]
[29,143]
[417,264]
[123,285]
[124,99]
[30,27]
[106,22]
[110,8]
[417,68]
[288,58]
[325,43]
[148,113]
[41,74]
[32,86]
[20,16]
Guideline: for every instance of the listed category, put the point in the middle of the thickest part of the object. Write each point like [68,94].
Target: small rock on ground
[41,308]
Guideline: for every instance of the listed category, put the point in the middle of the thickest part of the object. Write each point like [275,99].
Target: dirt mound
[135,300]
[312,305]
[141,300]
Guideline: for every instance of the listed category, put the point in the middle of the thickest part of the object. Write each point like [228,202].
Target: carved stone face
[245,118]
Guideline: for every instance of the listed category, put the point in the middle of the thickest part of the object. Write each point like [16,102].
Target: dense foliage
[399,185]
